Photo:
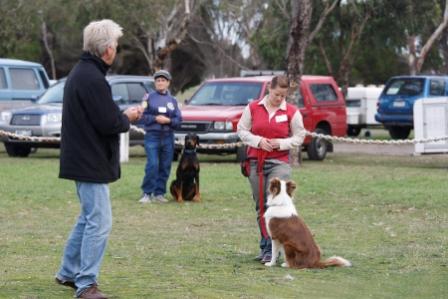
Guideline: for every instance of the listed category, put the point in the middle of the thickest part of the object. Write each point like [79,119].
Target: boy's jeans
[86,245]
[159,147]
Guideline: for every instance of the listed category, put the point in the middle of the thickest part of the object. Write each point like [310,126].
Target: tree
[416,56]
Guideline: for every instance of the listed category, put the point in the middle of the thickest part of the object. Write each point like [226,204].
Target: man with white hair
[91,124]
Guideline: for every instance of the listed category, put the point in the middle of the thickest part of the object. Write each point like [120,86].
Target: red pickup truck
[215,108]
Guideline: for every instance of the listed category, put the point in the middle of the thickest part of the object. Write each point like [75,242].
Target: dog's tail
[335,261]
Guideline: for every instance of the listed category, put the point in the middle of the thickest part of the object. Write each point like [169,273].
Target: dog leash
[261,157]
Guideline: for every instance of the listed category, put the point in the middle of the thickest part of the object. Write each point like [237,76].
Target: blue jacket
[164,104]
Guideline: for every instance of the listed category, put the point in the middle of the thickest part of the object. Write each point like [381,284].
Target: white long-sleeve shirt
[296,125]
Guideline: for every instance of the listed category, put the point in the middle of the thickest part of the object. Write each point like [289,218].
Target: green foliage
[272,37]
[380,52]
[388,215]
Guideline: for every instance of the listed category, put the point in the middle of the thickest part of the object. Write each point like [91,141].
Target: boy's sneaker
[145,199]
[160,198]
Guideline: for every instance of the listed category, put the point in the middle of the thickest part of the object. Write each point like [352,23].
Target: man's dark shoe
[266,258]
[66,283]
[92,293]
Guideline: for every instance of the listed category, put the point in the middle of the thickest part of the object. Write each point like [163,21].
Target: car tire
[399,132]
[241,153]
[318,147]
[353,131]
[17,150]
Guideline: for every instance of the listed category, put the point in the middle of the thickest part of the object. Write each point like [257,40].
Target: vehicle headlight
[53,118]
[5,116]
[223,126]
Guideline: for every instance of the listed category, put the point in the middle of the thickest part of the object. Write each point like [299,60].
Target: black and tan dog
[186,184]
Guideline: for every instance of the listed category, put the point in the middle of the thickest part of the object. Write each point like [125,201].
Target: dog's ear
[290,187]
[274,187]
[197,139]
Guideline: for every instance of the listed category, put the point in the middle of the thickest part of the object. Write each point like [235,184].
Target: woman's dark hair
[281,81]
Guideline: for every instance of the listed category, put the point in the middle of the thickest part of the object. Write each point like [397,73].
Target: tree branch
[328,9]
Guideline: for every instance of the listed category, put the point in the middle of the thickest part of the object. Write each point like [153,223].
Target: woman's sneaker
[160,198]
[146,198]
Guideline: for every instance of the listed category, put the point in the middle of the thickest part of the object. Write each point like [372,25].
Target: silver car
[44,118]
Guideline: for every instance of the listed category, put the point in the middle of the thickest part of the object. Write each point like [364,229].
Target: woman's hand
[274,143]
[265,144]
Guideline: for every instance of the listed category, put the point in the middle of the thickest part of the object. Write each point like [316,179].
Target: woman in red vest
[269,127]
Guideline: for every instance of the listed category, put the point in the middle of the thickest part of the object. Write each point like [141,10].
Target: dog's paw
[269,264]
[285,265]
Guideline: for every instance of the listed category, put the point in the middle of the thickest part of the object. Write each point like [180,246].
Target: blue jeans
[86,245]
[159,147]
[271,169]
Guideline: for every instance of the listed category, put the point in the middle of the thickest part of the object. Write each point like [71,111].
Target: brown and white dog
[289,233]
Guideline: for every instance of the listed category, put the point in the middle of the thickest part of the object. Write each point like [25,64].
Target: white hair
[99,35]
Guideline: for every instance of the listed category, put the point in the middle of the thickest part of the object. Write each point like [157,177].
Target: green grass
[388,215]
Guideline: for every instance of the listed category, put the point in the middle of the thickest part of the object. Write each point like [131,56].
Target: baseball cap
[162,73]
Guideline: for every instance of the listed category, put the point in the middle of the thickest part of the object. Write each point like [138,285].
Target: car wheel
[241,153]
[353,131]
[399,132]
[318,147]
[17,150]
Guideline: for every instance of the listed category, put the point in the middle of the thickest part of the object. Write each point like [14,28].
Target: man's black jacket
[91,123]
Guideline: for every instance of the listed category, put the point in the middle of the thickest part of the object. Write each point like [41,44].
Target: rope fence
[239,144]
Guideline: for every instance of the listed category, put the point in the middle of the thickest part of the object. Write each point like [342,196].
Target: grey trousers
[271,169]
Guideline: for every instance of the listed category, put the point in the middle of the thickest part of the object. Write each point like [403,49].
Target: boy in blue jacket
[161,117]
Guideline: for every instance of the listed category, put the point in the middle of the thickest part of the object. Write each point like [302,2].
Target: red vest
[277,127]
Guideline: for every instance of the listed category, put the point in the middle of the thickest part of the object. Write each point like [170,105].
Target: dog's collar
[189,151]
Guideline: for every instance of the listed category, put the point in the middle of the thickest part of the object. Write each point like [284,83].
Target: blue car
[44,118]
[396,102]
[21,82]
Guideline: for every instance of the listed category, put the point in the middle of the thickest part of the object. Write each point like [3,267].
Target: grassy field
[388,215]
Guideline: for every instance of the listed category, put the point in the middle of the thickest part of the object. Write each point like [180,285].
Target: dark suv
[44,118]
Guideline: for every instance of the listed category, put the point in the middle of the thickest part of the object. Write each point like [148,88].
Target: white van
[21,82]
[361,104]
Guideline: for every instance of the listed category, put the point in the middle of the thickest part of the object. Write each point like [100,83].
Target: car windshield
[54,94]
[405,87]
[226,93]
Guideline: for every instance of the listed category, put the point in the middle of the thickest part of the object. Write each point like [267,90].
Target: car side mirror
[187,101]
[34,99]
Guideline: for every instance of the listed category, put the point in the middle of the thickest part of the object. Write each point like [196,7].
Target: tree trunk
[48,49]
[298,37]
[297,44]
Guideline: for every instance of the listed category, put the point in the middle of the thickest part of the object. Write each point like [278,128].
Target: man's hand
[162,119]
[134,113]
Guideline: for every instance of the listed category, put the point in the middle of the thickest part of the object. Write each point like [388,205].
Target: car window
[54,94]
[2,79]
[297,99]
[323,92]
[23,79]
[405,87]
[44,78]
[136,92]
[436,87]
[120,93]
[226,93]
